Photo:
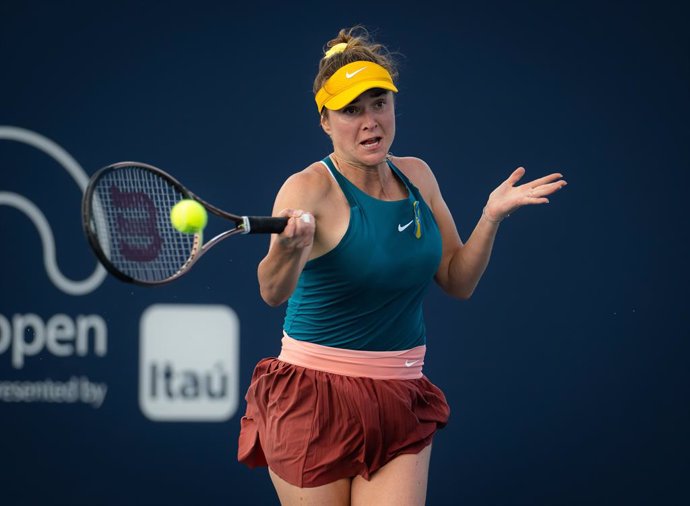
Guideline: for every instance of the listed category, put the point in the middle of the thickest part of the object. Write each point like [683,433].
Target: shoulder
[419,173]
[314,177]
[306,188]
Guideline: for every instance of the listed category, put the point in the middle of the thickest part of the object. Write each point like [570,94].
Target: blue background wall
[567,372]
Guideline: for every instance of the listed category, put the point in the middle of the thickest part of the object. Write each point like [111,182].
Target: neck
[375,180]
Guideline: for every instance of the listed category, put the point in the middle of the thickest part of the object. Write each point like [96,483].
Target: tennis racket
[126,218]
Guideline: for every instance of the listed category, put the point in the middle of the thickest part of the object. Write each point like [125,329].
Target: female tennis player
[345,415]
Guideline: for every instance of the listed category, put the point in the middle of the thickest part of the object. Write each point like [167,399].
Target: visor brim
[346,96]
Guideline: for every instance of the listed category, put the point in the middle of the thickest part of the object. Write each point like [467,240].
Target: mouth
[371,142]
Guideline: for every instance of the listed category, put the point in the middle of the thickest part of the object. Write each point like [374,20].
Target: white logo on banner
[20,202]
[23,336]
[189,363]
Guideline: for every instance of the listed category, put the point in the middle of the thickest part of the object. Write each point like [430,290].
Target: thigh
[332,494]
[402,481]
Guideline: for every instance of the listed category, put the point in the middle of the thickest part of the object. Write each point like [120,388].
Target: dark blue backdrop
[567,372]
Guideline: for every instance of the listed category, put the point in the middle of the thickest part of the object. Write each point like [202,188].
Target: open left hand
[507,198]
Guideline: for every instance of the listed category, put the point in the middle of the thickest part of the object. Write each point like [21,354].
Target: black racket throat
[126,218]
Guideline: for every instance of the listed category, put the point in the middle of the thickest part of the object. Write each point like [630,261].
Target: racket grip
[266,225]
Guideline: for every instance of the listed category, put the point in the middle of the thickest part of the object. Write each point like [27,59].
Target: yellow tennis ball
[188,216]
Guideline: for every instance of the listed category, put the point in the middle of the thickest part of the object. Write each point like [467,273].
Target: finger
[544,180]
[528,201]
[302,217]
[516,176]
[304,223]
[305,228]
[546,189]
[295,214]
[289,230]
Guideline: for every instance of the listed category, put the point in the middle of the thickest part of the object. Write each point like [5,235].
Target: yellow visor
[351,81]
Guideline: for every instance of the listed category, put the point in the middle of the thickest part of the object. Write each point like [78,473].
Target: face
[363,131]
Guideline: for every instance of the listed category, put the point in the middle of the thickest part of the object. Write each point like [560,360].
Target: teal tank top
[367,292]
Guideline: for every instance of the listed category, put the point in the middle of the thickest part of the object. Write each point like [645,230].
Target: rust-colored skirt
[314,427]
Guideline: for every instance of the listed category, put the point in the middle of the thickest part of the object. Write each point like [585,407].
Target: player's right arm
[289,251]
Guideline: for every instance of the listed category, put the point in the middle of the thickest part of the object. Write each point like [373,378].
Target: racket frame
[243,224]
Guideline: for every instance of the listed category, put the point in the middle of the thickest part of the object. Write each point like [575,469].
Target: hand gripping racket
[126,218]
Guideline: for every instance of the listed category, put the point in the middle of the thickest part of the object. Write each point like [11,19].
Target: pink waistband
[401,364]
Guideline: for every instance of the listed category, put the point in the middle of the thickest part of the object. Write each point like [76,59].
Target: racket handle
[266,225]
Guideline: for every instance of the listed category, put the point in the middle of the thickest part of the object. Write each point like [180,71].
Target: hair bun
[338,48]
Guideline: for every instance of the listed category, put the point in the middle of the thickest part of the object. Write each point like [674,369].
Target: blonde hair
[353,44]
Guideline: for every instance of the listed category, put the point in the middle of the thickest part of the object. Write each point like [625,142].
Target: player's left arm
[463,264]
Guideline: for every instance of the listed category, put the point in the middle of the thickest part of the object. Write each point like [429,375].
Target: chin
[371,160]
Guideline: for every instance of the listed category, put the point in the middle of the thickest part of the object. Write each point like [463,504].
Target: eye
[350,110]
[380,104]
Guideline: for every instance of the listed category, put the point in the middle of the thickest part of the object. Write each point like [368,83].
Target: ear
[325,124]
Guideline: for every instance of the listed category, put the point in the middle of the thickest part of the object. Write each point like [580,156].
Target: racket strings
[131,217]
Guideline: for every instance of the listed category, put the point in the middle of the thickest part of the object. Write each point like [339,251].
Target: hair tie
[338,48]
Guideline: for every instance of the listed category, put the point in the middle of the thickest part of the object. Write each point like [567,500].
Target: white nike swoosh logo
[410,363]
[403,227]
[350,75]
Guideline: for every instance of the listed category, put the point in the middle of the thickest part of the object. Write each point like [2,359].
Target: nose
[369,121]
